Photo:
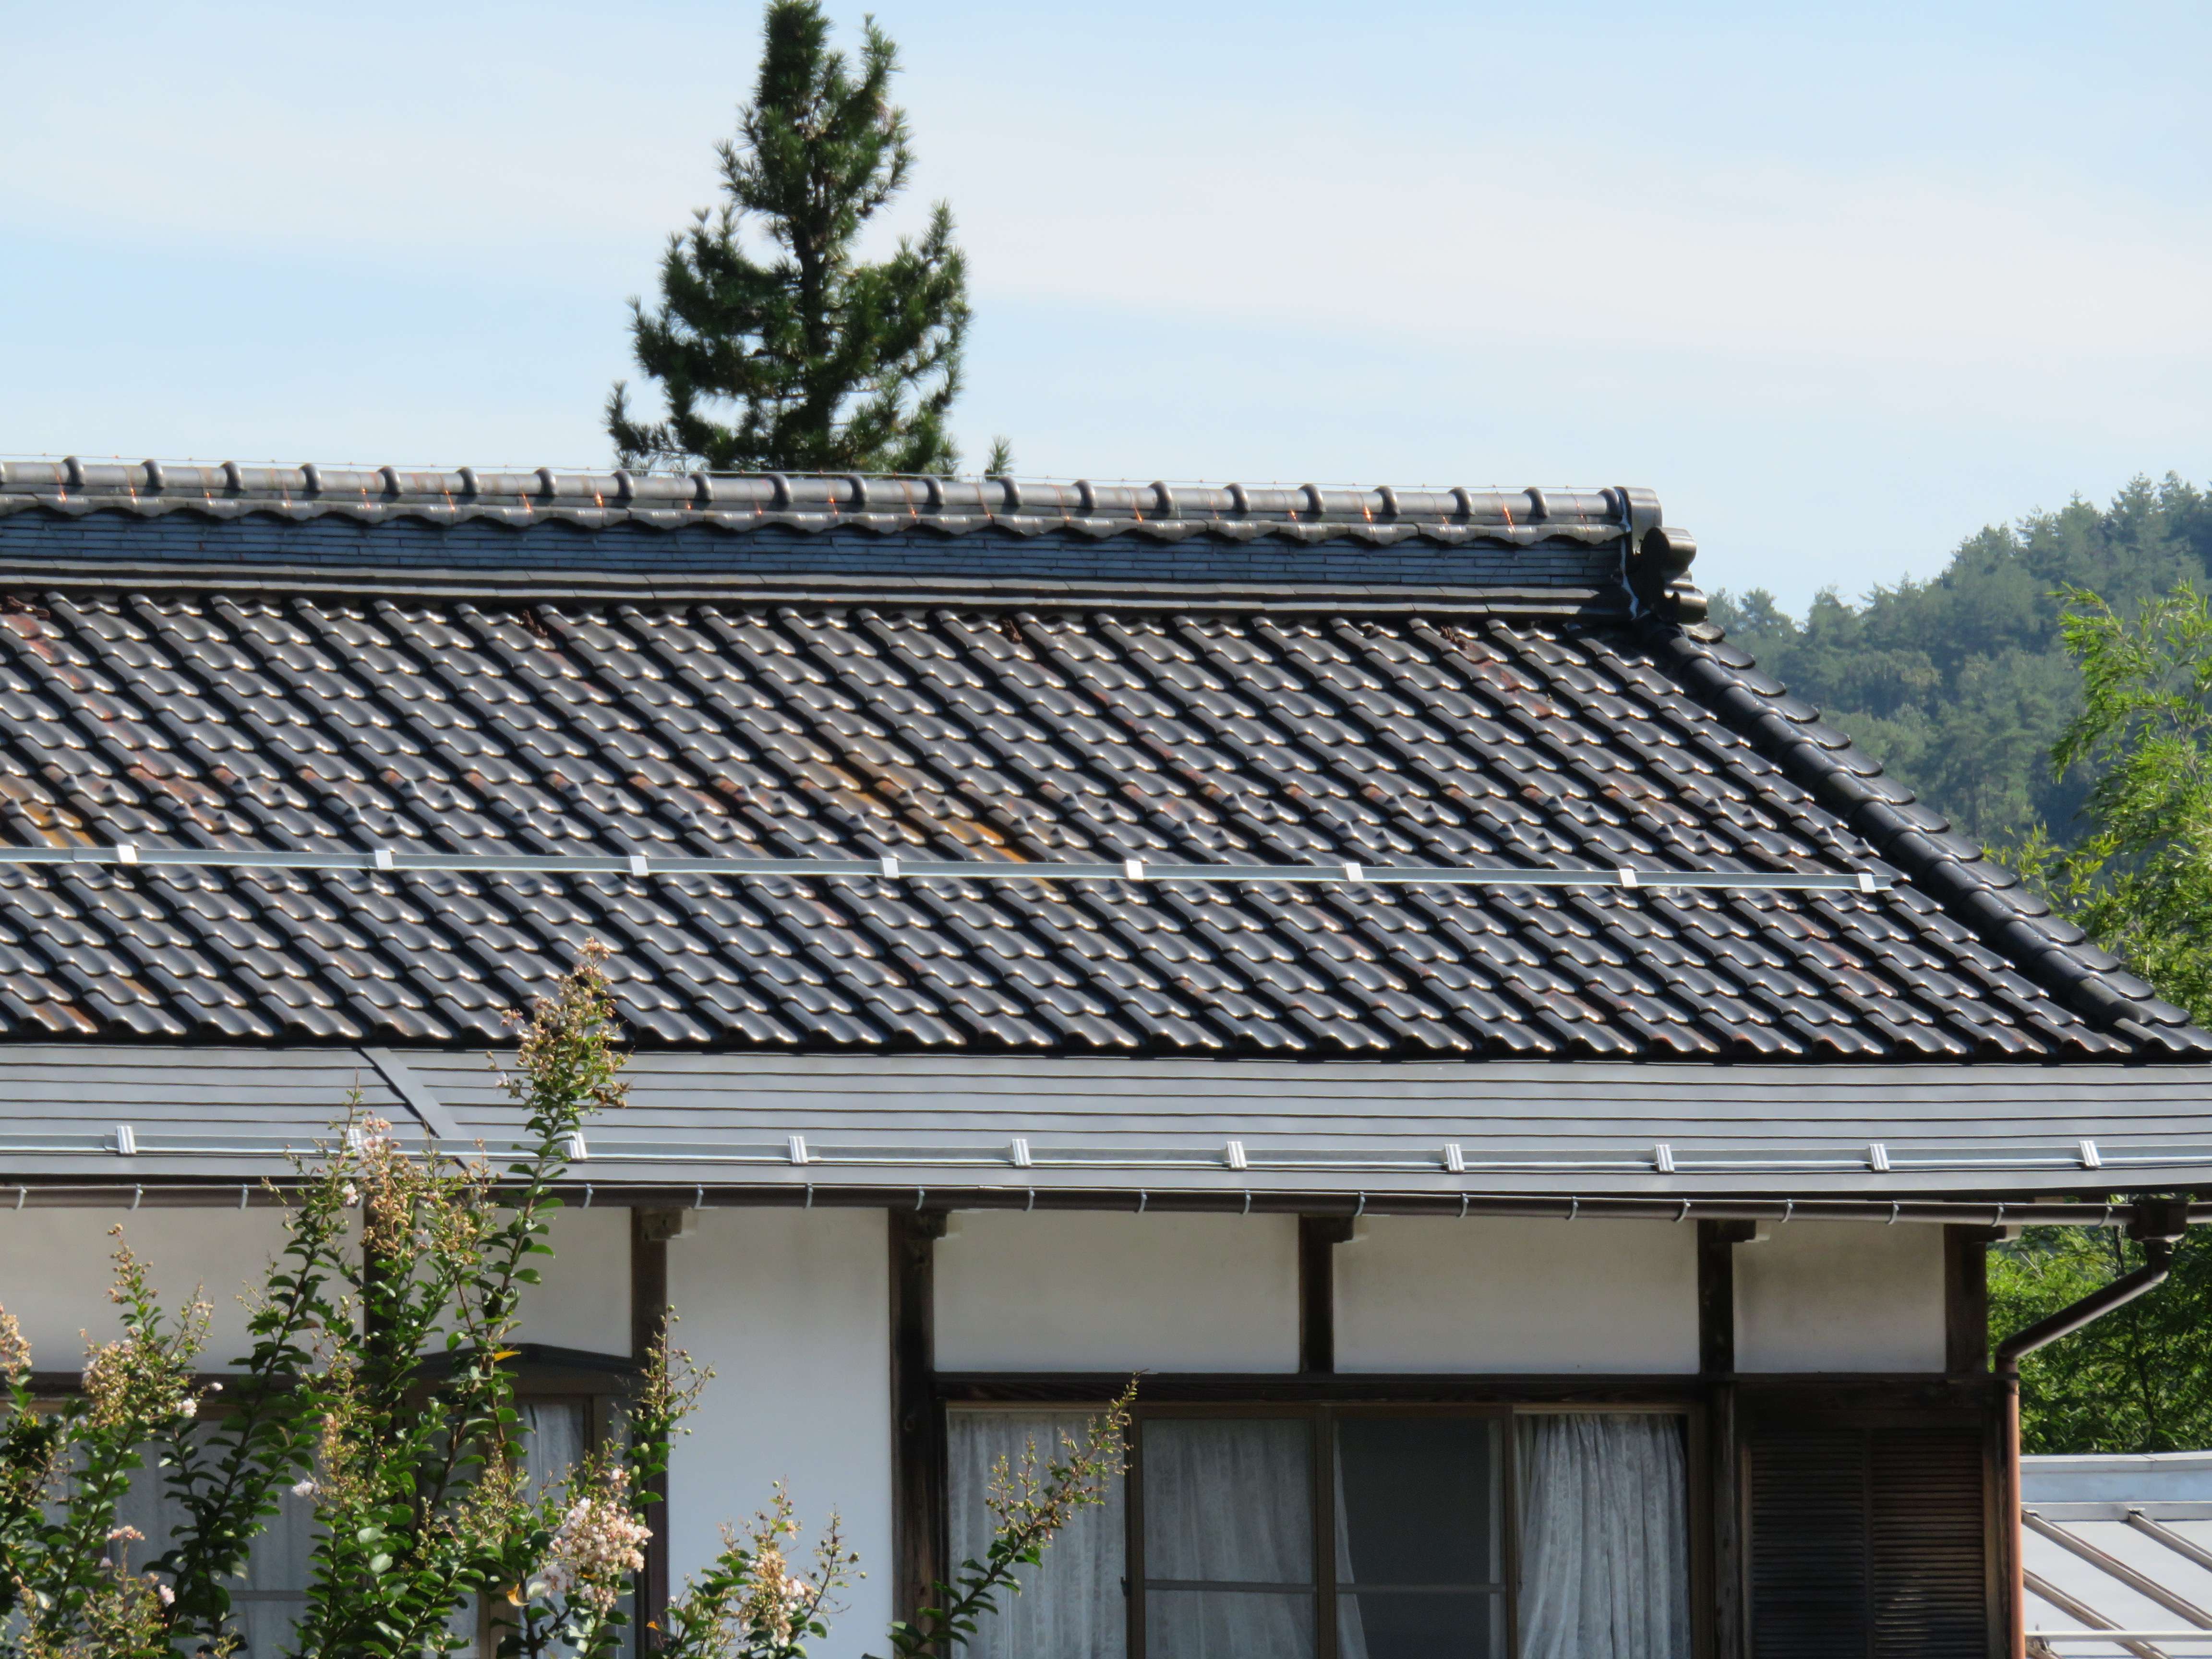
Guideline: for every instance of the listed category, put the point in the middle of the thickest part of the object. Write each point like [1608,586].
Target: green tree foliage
[827,363]
[2138,1380]
[1963,683]
[2139,878]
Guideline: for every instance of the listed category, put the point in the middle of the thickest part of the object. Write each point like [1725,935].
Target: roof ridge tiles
[1973,889]
[884,502]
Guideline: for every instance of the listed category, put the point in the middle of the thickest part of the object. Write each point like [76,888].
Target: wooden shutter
[1867,1544]
[1930,1564]
[1809,1544]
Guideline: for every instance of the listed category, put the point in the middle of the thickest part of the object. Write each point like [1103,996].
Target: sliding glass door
[1313,1531]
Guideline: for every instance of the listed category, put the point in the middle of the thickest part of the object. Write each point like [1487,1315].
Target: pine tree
[832,364]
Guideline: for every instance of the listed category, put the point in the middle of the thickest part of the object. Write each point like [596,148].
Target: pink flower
[598,1544]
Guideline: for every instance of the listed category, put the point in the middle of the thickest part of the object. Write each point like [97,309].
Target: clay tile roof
[256,659]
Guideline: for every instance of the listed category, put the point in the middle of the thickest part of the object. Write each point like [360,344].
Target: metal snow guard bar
[1024,1153]
[125,854]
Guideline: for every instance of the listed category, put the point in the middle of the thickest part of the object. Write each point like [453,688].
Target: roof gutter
[2156,1223]
[582,1185]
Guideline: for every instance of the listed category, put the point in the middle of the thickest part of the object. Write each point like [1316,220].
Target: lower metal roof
[2118,1554]
[129,1114]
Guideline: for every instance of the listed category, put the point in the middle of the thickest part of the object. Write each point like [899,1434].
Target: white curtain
[1229,1501]
[1605,1546]
[1350,1628]
[1074,1607]
[552,1444]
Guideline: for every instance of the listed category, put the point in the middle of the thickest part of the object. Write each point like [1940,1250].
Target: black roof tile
[243,660]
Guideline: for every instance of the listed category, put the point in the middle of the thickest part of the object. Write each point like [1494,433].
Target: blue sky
[1842,284]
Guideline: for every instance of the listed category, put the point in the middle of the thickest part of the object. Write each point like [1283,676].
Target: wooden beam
[1717,1243]
[918,1541]
[1966,1301]
[1318,1237]
[648,1328]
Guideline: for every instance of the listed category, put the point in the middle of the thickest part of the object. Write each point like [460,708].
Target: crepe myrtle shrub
[377,1391]
[68,1589]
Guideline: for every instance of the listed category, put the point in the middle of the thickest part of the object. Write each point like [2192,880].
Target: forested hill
[1960,684]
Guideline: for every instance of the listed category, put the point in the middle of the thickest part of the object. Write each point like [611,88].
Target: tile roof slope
[185,667]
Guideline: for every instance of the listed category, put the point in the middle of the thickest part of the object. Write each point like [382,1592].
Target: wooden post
[918,1543]
[649,1231]
[1717,1243]
[1318,1237]
[1966,1301]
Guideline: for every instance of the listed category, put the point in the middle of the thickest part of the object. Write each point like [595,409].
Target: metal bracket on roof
[402,1081]
[1663,1158]
[2091,1158]
[126,1143]
[1878,1157]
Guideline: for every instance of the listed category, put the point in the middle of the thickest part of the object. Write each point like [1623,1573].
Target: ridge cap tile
[1957,870]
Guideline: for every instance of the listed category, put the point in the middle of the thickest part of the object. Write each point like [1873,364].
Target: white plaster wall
[1498,1294]
[582,1298]
[56,1267]
[1081,1292]
[1840,1297]
[792,1309]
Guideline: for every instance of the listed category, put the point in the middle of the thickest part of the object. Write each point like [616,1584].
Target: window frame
[1016,1393]
[1321,1416]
